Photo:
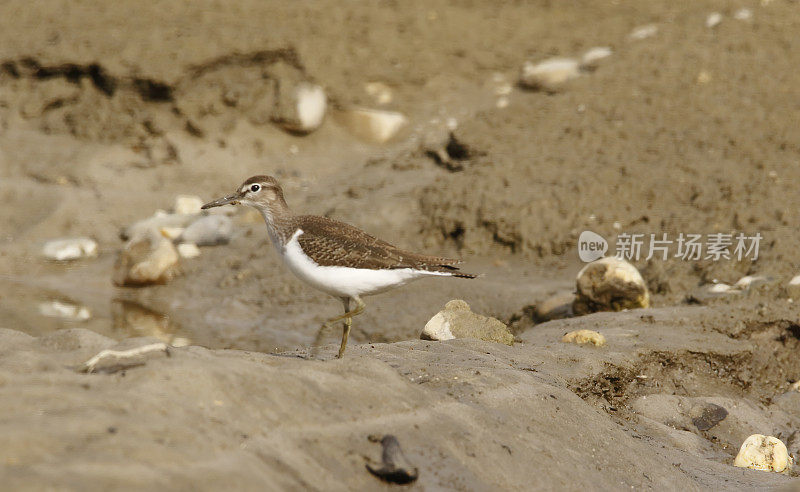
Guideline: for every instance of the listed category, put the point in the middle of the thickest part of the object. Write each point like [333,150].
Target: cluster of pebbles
[608,284]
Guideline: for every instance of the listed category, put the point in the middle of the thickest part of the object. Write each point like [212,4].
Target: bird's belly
[341,281]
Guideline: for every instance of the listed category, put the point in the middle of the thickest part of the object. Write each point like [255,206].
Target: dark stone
[396,467]
[707,415]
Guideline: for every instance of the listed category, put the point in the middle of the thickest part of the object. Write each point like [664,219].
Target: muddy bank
[468,414]
[107,114]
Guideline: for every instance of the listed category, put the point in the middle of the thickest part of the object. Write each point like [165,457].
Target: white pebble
[502,102]
[549,75]
[748,281]
[311,105]
[64,310]
[644,32]
[713,20]
[188,250]
[70,249]
[437,328]
[719,288]
[766,453]
[743,14]
[373,125]
[592,58]
[303,109]
[188,204]
[380,92]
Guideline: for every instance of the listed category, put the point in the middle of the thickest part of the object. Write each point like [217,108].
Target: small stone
[704,77]
[749,281]
[301,109]
[719,288]
[766,453]
[70,249]
[187,204]
[743,14]
[380,92]
[610,284]
[395,467]
[795,280]
[644,32]
[372,125]
[549,75]
[146,261]
[713,20]
[188,250]
[584,336]
[64,310]
[457,320]
[707,415]
[592,58]
[209,230]
[502,102]
[556,307]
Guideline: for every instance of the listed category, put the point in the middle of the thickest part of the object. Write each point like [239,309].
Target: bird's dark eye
[255,188]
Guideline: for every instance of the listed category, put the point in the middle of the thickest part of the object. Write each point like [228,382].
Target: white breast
[341,281]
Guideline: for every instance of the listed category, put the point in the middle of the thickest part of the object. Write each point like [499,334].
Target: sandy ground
[107,113]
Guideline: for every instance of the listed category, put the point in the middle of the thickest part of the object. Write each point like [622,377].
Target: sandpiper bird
[332,256]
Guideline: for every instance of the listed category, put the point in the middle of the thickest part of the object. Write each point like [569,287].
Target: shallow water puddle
[38,311]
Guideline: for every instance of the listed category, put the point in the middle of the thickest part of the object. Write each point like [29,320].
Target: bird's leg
[348,322]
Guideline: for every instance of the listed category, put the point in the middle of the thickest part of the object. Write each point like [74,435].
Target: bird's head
[261,192]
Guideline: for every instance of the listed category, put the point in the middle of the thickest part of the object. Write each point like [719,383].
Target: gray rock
[457,320]
[707,415]
[151,226]
[209,230]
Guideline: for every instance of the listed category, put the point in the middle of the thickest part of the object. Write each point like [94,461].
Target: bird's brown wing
[332,243]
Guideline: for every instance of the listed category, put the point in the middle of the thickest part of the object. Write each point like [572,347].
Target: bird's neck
[279,224]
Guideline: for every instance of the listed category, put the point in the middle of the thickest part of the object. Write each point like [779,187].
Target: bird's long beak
[230,199]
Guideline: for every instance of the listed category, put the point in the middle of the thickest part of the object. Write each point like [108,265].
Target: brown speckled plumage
[332,243]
